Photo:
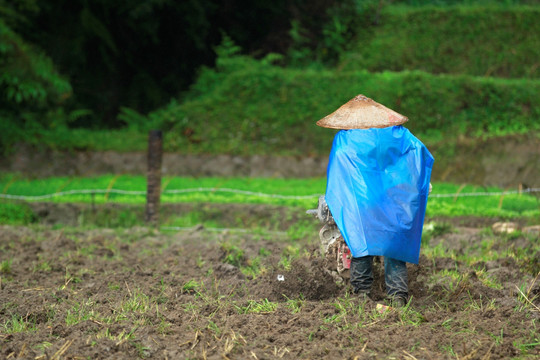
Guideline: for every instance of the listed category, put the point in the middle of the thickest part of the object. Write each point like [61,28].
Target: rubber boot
[362,275]
[396,278]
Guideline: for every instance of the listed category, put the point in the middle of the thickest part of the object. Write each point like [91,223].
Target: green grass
[18,324]
[122,140]
[191,286]
[301,193]
[248,111]
[483,247]
[270,101]
[80,312]
[504,206]
[5,266]
[257,307]
[211,189]
[483,40]
[16,214]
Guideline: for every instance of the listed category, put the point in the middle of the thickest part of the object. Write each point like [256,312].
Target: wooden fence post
[153,187]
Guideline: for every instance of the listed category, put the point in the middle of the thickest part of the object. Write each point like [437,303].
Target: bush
[260,109]
[498,41]
[12,213]
[31,90]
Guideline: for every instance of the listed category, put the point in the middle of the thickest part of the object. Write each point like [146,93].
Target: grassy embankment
[456,72]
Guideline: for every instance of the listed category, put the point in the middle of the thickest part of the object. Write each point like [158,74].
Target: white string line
[242,192]
[236,191]
[240,230]
[179,191]
[501,193]
[71,192]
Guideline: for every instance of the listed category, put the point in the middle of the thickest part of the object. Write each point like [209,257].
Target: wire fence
[238,192]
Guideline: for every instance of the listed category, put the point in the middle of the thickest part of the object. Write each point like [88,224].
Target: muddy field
[73,293]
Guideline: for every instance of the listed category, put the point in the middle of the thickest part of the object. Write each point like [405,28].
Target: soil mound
[306,279]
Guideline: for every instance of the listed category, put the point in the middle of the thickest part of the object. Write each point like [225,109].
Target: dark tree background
[141,53]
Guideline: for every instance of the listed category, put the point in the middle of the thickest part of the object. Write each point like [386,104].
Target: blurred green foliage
[15,213]
[498,41]
[31,90]
[440,62]
[249,107]
[446,3]
[130,56]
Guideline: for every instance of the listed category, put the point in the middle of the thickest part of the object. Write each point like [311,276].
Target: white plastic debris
[280,278]
[505,227]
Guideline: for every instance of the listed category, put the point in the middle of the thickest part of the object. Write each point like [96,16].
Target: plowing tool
[336,253]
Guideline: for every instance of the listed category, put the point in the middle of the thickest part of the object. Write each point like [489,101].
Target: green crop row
[445,200]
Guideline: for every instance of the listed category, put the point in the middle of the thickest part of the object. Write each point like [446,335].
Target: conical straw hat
[362,112]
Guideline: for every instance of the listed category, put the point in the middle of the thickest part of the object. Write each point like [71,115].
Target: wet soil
[73,293]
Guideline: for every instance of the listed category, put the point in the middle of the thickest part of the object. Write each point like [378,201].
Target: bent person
[378,180]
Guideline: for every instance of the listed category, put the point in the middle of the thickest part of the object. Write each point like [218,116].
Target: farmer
[378,180]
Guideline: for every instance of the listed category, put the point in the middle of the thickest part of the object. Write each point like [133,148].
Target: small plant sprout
[410,316]
[164,326]
[213,327]
[119,338]
[43,346]
[138,302]
[263,307]
[5,266]
[43,266]
[200,261]
[479,304]
[191,287]
[488,280]
[288,255]
[113,286]
[18,324]
[524,295]
[530,342]
[285,262]
[253,267]
[434,229]
[69,278]
[79,312]
[233,254]
[498,338]
[295,305]
[450,350]
[447,323]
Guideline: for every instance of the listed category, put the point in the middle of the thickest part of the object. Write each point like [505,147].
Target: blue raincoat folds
[377,190]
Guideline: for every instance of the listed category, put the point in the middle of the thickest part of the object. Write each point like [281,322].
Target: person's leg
[395,275]
[362,274]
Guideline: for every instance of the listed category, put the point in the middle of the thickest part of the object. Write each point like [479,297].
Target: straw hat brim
[362,112]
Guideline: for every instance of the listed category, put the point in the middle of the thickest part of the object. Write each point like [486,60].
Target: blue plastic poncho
[377,190]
